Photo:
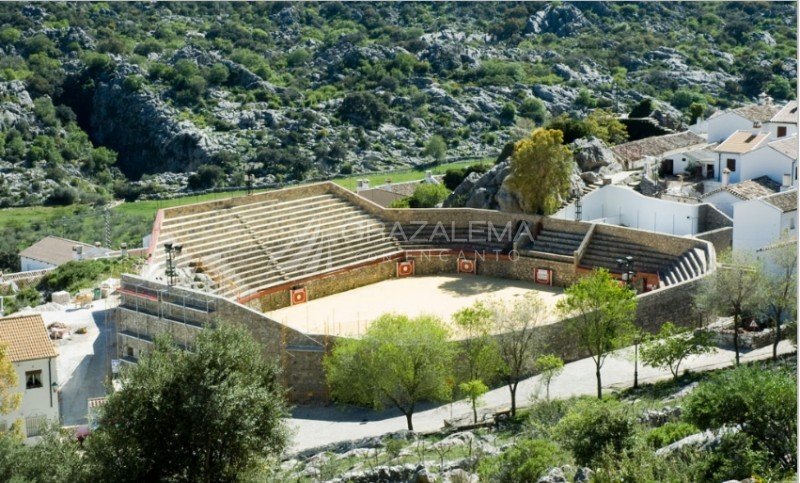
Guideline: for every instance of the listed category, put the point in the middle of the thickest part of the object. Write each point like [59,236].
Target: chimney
[787,182]
[78,249]
[124,249]
[757,125]
[726,176]
[764,99]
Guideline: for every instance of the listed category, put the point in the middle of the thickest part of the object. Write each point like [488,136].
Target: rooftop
[787,146]
[742,142]
[750,189]
[752,112]
[26,338]
[655,146]
[788,114]
[55,250]
[785,201]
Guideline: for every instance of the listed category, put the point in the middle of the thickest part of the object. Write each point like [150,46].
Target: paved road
[315,426]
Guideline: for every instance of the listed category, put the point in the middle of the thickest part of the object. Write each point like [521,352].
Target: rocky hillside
[93,95]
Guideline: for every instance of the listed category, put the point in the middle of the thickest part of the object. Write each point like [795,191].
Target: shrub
[428,195]
[592,426]
[763,402]
[508,112]
[435,147]
[733,459]
[363,109]
[207,176]
[62,196]
[77,274]
[669,433]
[526,461]
[533,109]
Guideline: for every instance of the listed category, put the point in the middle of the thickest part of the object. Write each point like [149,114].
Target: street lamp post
[172,251]
[626,264]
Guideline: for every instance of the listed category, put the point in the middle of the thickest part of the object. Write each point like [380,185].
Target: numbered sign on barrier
[299,295]
[405,269]
[544,276]
[466,265]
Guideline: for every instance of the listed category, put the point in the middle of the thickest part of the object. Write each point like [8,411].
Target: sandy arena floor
[349,313]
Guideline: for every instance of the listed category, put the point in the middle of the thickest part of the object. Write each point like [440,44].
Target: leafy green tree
[735,288]
[436,147]
[508,112]
[10,397]
[761,401]
[428,195]
[781,290]
[474,390]
[207,176]
[479,350]
[604,125]
[548,366]
[540,171]
[672,345]
[400,361]
[218,411]
[516,328]
[363,109]
[602,313]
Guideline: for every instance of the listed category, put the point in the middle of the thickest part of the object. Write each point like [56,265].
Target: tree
[400,361]
[602,313]
[10,398]
[428,195]
[435,147]
[604,125]
[207,176]
[781,289]
[549,366]
[479,350]
[672,345]
[735,288]
[363,109]
[516,325]
[474,390]
[540,171]
[761,401]
[218,411]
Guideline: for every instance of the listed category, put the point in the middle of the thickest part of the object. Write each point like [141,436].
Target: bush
[763,402]
[62,196]
[593,426]
[363,109]
[669,433]
[533,109]
[524,462]
[733,459]
[207,176]
[508,112]
[435,147]
[428,195]
[78,274]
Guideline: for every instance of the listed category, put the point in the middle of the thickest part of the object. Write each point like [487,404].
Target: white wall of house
[736,173]
[722,126]
[723,201]
[765,161]
[773,128]
[618,205]
[38,404]
[757,224]
[30,264]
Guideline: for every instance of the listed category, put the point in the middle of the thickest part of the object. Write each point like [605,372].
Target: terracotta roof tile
[26,338]
[787,146]
[752,112]
[56,250]
[750,189]
[742,142]
[655,146]
[788,114]
[784,201]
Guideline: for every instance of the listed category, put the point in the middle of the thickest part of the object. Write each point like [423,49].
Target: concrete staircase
[555,242]
[691,264]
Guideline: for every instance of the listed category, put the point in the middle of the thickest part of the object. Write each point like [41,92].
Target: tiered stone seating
[556,242]
[604,250]
[690,265]
[447,236]
[254,246]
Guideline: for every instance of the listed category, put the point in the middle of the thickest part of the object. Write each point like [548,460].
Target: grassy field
[148,208]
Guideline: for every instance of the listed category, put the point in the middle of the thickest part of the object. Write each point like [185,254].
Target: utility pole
[107,217]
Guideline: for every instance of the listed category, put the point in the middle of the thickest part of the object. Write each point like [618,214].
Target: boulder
[583,475]
[591,153]
[555,475]
[561,19]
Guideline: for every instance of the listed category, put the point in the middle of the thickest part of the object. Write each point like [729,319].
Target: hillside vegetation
[102,100]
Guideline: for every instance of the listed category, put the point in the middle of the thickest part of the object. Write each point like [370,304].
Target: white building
[784,123]
[31,352]
[764,221]
[751,117]
[738,149]
[621,205]
[724,197]
[52,251]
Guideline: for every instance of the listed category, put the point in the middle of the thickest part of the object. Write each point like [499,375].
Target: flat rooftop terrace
[348,314]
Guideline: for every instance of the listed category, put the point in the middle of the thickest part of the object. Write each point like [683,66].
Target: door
[710,171]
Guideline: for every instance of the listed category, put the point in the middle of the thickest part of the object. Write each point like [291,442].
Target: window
[33,379]
[731,163]
[781,131]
